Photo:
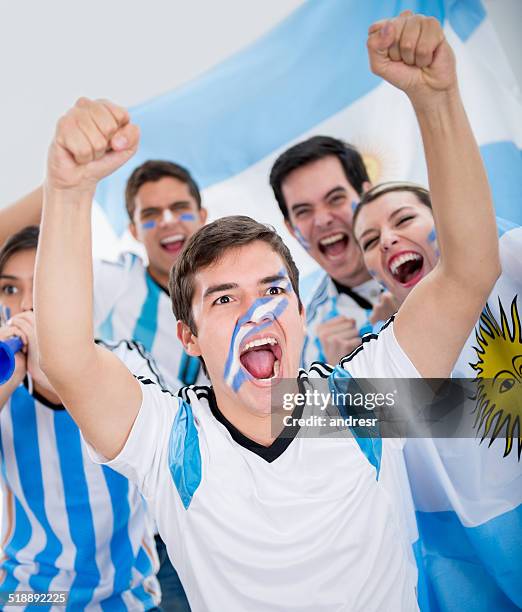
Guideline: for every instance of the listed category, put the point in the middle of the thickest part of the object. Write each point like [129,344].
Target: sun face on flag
[499,377]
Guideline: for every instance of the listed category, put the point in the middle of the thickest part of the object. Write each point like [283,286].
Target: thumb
[381,36]
[123,146]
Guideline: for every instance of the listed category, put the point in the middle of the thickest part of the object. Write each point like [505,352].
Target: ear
[188,339]
[366,186]
[290,227]
[133,231]
[203,214]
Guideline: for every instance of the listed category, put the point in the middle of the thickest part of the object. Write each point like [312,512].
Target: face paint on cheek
[264,310]
[354,205]
[187,217]
[148,225]
[301,239]
[432,239]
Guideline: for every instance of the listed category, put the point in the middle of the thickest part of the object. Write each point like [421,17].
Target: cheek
[373,264]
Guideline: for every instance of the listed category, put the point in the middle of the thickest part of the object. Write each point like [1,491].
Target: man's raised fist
[92,140]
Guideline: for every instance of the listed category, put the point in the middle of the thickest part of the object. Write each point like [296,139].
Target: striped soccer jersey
[327,302]
[129,303]
[69,524]
[318,526]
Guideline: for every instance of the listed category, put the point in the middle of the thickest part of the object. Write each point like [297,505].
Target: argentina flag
[310,75]
[468,491]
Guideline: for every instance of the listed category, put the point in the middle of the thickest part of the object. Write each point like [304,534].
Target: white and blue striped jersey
[69,524]
[129,303]
[326,303]
[308,524]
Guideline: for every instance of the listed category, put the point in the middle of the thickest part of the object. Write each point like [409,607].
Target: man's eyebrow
[9,276]
[333,191]
[217,288]
[273,278]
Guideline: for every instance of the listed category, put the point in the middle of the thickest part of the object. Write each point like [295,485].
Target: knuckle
[82,102]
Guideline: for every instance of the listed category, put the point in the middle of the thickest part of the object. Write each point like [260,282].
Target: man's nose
[167,216]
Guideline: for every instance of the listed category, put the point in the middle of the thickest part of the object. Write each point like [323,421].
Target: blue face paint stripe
[242,320]
[271,315]
[432,236]
[301,239]
[147,322]
[121,548]
[187,217]
[148,225]
[27,452]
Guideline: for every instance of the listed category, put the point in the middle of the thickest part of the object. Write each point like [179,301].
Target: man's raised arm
[435,320]
[92,140]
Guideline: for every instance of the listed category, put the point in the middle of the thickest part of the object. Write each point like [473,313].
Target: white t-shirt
[316,528]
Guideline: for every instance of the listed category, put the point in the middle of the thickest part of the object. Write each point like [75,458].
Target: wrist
[68,195]
[434,101]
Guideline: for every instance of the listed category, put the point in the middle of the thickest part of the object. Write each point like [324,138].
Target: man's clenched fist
[92,140]
[411,53]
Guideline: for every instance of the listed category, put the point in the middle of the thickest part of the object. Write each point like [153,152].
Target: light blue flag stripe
[468,569]
[309,67]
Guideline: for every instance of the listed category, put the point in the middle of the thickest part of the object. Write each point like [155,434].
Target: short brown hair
[24,240]
[423,195]
[208,245]
[152,171]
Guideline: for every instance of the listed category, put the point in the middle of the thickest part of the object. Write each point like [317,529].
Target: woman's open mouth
[261,358]
[406,268]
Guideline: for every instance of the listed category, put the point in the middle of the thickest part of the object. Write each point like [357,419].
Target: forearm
[63,285]
[461,197]
[24,212]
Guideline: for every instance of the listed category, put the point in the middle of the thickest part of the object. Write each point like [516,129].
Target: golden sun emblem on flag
[499,377]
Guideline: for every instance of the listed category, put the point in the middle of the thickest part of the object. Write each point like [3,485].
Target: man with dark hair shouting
[254,520]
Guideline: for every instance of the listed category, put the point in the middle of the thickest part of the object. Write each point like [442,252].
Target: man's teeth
[170,239]
[259,342]
[331,239]
[401,259]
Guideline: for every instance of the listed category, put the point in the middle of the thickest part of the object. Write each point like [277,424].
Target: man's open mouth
[334,245]
[173,244]
[406,268]
[261,358]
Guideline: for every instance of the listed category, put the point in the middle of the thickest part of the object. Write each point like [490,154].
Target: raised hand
[411,53]
[92,140]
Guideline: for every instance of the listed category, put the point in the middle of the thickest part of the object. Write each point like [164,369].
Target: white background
[54,51]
